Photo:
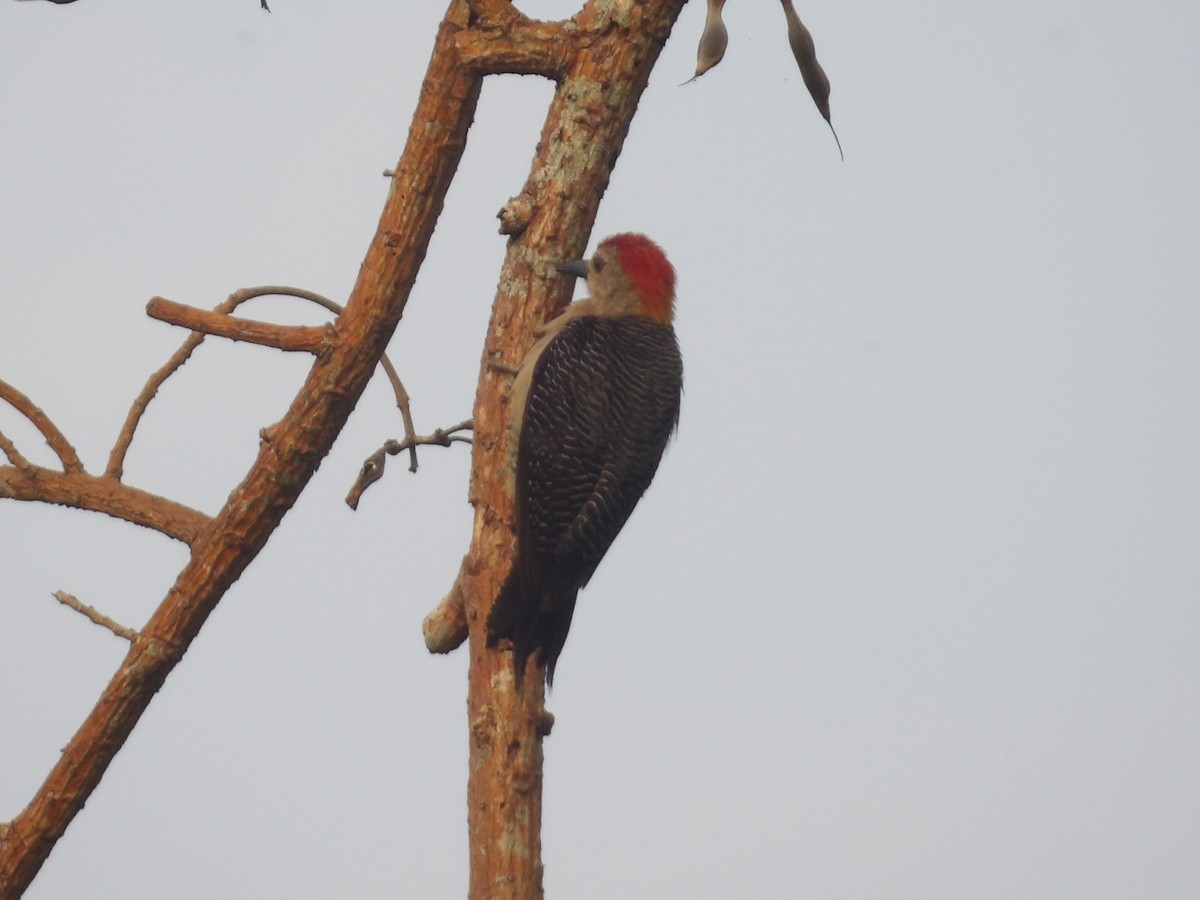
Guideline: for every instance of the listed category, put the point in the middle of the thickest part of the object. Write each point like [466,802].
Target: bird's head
[628,275]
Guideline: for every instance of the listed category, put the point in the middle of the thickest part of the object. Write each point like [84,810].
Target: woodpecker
[594,404]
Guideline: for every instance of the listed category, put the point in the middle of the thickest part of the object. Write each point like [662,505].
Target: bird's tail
[531,624]
[513,617]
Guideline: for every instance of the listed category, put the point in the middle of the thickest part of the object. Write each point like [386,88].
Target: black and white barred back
[602,406]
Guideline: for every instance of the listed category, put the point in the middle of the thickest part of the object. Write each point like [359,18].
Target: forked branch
[105,495]
[58,443]
[284,465]
[116,459]
[373,466]
[601,61]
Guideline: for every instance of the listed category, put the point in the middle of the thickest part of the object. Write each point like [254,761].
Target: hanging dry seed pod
[713,41]
[814,76]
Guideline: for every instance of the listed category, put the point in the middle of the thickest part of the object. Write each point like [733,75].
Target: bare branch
[58,443]
[441,437]
[402,399]
[117,456]
[368,473]
[372,468]
[446,436]
[405,406]
[116,459]
[445,628]
[297,338]
[520,46]
[221,551]
[106,495]
[9,449]
[94,615]
[612,49]
[237,298]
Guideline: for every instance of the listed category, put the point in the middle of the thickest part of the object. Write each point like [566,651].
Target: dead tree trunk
[601,61]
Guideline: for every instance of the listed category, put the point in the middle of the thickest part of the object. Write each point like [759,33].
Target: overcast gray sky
[913,607]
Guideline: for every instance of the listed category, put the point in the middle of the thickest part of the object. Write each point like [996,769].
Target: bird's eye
[597,264]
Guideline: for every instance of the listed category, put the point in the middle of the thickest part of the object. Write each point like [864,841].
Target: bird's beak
[577,268]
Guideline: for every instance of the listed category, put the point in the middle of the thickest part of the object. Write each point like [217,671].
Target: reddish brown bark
[106,495]
[614,47]
[601,61]
[302,338]
[288,456]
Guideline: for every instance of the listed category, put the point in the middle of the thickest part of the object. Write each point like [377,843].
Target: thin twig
[94,615]
[404,404]
[58,443]
[14,455]
[237,298]
[442,437]
[402,400]
[116,459]
[372,468]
